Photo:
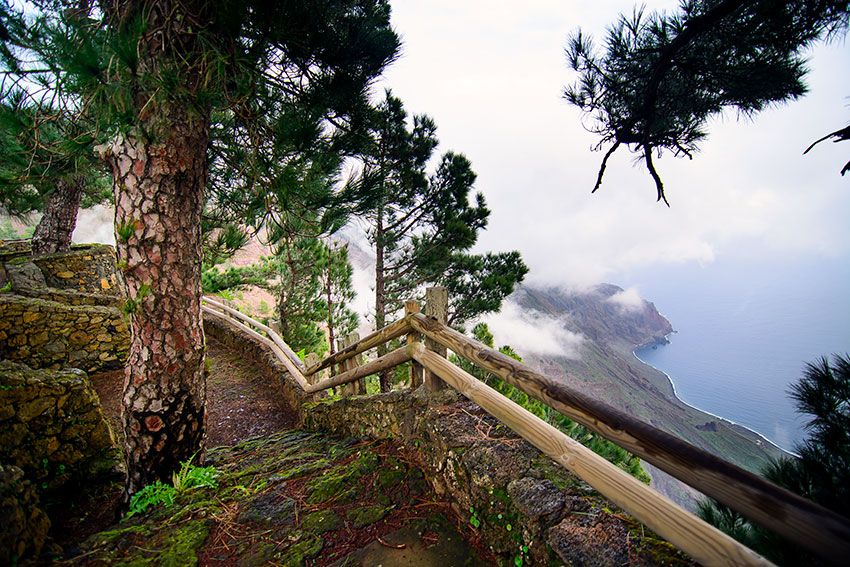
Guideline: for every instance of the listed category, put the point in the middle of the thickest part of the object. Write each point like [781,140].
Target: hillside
[605,367]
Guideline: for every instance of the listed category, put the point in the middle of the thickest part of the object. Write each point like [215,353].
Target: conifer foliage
[422,225]
[160,82]
[821,473]
[661,77]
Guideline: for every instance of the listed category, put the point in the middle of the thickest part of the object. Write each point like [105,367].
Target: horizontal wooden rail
[389,360]
[700,540]
[290,354]
[381,336]
[822,531]
[275,348]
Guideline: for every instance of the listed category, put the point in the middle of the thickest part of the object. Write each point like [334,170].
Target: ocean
[745,327]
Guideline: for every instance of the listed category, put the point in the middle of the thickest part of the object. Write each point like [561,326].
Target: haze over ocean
[745,329]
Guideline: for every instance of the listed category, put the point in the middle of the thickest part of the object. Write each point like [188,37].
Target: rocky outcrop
[24,528]
[526,507]
[53,428]
[295,498]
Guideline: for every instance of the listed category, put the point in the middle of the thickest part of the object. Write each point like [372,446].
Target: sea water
[745,327]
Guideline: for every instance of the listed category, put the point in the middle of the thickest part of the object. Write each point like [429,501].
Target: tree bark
[381,296]
[54,230]
[159,196]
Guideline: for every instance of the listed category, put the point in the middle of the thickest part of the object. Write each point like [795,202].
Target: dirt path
[240,402]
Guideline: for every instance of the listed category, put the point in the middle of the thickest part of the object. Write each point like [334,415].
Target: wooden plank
[389,360]
[416,370]
[701,541]
[309,360]
[293,358]
[287,363]
[823,532]
[388,333]
[357,387]
[436,309]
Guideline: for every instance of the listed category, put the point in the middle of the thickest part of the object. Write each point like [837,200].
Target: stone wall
[88,268]
[49,334]
[261,356]
[527,507]
[52,427]
[25,525]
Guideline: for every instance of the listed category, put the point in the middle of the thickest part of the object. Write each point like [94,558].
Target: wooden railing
[823,532]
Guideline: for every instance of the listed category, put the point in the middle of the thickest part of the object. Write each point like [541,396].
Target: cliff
[605,367]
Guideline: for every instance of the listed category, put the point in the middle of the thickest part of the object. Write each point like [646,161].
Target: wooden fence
[427,340]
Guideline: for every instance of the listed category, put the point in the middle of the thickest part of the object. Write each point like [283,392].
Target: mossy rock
[366,515]
[321,522]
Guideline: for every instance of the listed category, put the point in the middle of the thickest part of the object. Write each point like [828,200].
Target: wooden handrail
[825,533]
[703,542]
[381,336]
[798,519]
[389,360]
[290,354]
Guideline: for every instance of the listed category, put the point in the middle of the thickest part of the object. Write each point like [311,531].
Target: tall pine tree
[154,76]
[421,226]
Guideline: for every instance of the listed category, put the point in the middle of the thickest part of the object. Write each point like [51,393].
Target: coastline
[679,398]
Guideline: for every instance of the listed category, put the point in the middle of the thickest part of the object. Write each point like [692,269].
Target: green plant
[132,305]
[473,519]
[124,230]
[151,495]
[188,477]
[6,288]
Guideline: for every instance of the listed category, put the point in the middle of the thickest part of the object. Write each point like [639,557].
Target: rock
[269,508]
[54,447]
[24,276]
[24,527]
[536,498]
[596,540]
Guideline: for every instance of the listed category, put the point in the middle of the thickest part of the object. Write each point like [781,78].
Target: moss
[321,522]
[366,515]
[340,482]
[391,473]
[330,485]
[183,543]
[302,550]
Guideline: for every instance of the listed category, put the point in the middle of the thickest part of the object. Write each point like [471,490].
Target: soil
[240,403]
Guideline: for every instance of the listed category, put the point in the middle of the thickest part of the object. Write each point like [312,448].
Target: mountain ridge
[605,366]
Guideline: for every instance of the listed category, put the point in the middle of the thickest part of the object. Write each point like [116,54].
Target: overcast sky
[491,74]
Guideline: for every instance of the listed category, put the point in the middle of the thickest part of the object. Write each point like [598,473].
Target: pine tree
[161,81]
[337,291]
[661,77]
[47,167]
[422,226]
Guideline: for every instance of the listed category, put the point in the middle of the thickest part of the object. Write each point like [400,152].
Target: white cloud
[95,225]
[531,332]
[492,77]
[628,299]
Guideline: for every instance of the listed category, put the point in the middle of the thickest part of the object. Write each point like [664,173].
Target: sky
[492,73]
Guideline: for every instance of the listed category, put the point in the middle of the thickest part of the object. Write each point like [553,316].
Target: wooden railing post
[357,387]
[416,370]
[437,308]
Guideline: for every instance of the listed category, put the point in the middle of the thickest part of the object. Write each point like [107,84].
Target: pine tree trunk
[329,296]
[158,199]
[381,296]
[54,230]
